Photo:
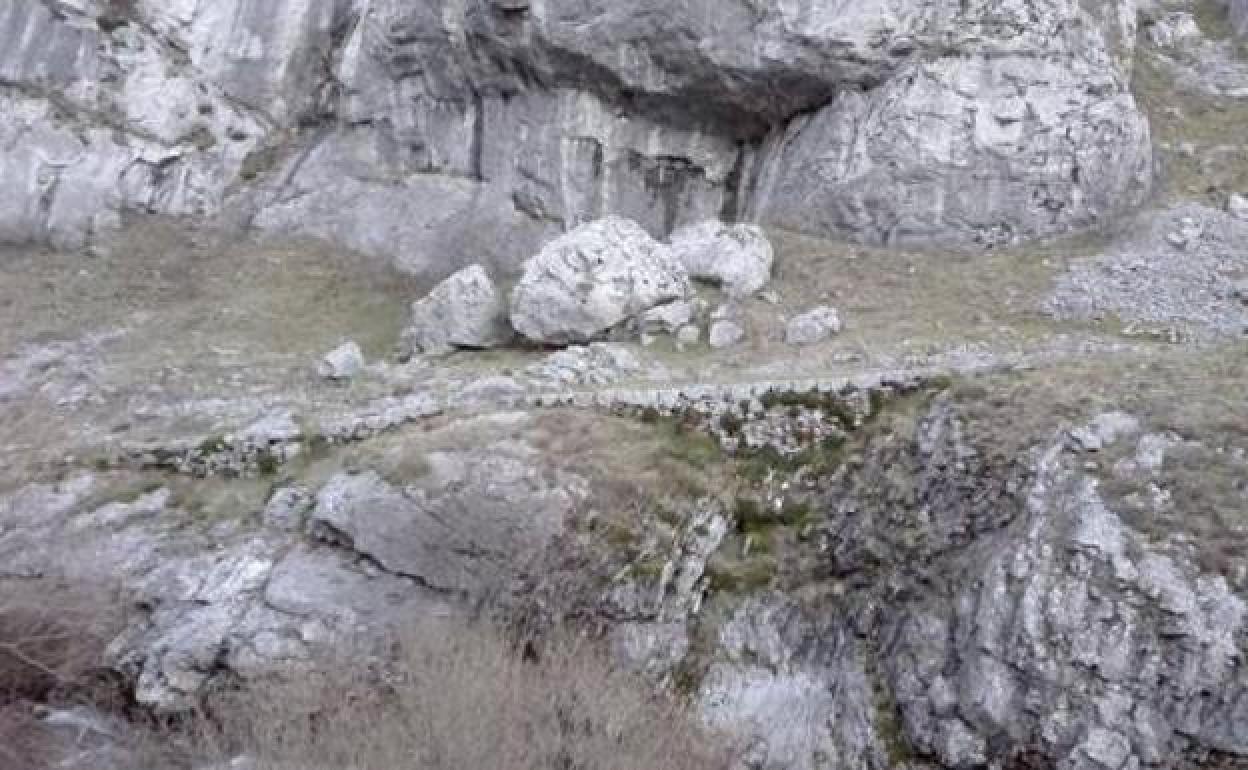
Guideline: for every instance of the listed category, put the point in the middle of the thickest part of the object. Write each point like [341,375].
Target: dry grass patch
[625,458]
[270,296]
[919,300]
[461,697]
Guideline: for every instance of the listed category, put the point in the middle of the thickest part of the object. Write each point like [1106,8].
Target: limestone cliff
[449,131]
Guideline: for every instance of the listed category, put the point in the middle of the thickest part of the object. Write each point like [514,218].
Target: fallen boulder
[593,278]
[738,258]
[464,311]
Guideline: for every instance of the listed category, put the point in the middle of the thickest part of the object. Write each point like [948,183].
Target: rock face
[737,258]
[464,311]
[441,132]
[334,565]
[591,280]
[1028,625]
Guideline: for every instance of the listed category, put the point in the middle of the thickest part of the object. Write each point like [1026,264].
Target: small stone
[1104,430]
[1237,205]
[813,327]
[1108,749]
[725,334]
[667,319]
[689,335]
[287,507]
[342,363]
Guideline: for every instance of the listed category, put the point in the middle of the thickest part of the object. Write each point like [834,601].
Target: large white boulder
[464,311]
[736,257]
[593,278]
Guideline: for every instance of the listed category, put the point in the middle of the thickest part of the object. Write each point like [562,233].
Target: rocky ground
[860,504]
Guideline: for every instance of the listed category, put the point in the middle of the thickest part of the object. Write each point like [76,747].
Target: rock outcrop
[442,133]
[1012,616]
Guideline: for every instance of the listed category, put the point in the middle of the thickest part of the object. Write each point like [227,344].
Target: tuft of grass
[214,444]
[752,517]
[798,514]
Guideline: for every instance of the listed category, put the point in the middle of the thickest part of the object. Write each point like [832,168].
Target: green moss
[1214,19]
[823,458]
[619,535]
[268,463]
[752,517]
[833,405]
[691,447]
[214,444]
[202,138]
[649,568]
[258,161]
[798,514]
[741,576]
[731,424]
[888,725]
[315,446]
[687,677]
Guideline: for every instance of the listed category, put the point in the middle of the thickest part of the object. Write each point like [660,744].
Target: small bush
[52,639]
[461,697]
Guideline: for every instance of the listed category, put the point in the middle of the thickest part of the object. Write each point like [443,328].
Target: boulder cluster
[605,278]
